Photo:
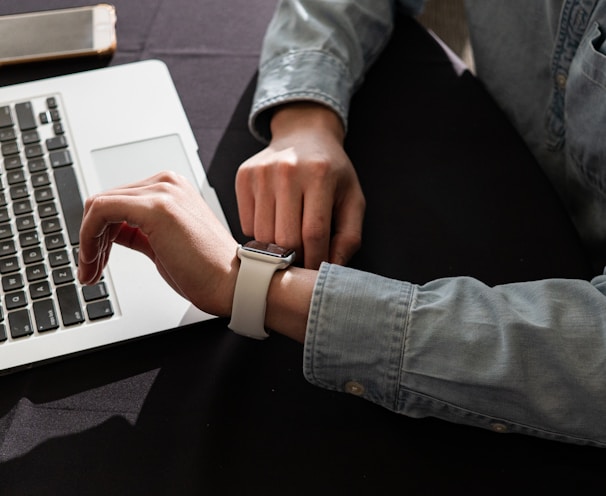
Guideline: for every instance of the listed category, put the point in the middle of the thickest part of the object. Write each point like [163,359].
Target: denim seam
[518,428]
[412,299]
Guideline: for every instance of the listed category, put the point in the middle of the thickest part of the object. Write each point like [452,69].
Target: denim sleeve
[524,358]
[318,50]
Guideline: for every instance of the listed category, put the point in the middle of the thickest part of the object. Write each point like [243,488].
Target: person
[525,357]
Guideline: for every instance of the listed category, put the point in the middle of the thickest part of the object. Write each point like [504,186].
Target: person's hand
[302,186]
[165,218]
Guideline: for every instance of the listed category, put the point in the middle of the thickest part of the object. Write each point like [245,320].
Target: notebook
[63,139]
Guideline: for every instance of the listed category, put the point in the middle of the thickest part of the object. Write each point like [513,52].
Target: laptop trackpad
[130,162]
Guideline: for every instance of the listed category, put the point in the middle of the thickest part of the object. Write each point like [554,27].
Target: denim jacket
[526,357]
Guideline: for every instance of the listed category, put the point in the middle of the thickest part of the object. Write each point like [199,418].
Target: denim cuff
[314,76]
[355,339]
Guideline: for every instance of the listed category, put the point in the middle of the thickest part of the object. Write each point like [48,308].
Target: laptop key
[25,222]
[35,272]
[18,191]
[50,225]
[71,201]
[45,315]
[44,117]
[95,292]
[20,324]
[7,247]
[30,137]
[6,231]
[15,176]
[25,116]
[13,162]
[48,209]
[34,150]
[12,282]
[36,165]
[40,179]
[10,148]
[57,258]
[63,275]
[56,143]
[8,134]
[15,300]
[6,119]
[3,336]
[99,310]
[60,158]
[43,194]
[9,264]
[69,305]
[39,289]
[54,241]
[32,255]
[28,238]
[22,207]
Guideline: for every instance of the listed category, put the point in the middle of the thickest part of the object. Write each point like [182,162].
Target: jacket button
[498,427]
[355,388]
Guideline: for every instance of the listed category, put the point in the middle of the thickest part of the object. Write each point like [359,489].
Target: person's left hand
[302,186]
[165,218]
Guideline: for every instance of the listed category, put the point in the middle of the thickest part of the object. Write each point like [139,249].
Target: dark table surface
[451,191]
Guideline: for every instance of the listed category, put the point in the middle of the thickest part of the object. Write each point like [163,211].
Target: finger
[89,267]
[131,237]
[246,201]
[264,216]
[348,222]
[315,233]
[92,262]
[257,208]
[105,220]
[289,212]
[135,239]
[122,204]
[166,176]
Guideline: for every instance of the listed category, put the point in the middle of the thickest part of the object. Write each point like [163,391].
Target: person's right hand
[165,218]
[302,187]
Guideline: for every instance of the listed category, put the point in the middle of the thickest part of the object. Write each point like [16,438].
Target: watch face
[268,249]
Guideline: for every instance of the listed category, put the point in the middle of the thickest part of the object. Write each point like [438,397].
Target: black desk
[450,191]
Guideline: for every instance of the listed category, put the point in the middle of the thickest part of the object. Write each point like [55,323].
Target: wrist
[288,302]
[306,116]
[258,263]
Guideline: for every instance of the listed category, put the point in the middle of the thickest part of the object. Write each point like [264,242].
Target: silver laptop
[62,140]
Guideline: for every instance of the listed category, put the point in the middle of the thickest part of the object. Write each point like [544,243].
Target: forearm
[306,56]
[525,358]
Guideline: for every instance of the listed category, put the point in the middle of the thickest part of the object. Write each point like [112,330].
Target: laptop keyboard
[40,214]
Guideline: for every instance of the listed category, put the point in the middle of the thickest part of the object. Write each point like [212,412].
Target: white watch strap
[250,298]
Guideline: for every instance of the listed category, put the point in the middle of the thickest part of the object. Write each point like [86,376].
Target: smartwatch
[258,263]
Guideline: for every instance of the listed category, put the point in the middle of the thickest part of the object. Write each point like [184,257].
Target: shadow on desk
[223,415]
[46,69]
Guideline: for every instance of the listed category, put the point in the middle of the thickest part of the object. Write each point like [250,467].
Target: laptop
[63,139]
